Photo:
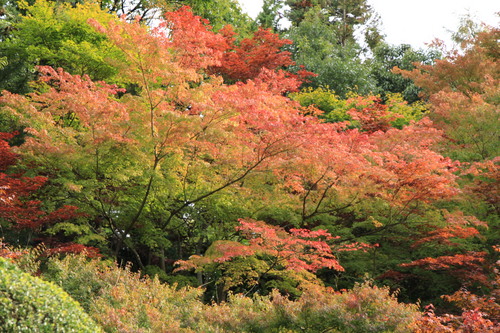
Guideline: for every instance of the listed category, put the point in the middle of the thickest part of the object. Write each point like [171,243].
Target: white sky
[417,22]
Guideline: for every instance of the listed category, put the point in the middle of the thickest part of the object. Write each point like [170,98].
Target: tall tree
[344,17]
[316,46]
[270,14]
[386,57]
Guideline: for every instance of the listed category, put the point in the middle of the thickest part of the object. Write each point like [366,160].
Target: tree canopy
[244,162]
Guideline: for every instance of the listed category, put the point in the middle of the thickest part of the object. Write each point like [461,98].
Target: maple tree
[195,134]
[199,133]
[246,60]
[460,71]
[224,55]
[267,251]
[463,90]
[20,212]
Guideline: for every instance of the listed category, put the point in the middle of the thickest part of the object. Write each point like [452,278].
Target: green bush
[81,278]
[29,304]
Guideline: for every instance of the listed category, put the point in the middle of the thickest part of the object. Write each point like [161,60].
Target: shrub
[80,277]
[365,308]
[29,304]
[121,301]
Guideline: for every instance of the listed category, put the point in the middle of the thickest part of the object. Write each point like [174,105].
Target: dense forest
[175,166]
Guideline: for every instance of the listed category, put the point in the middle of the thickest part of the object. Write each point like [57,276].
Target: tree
[165,168]
[337,66]
[56,34]
[347,15]
[21,213]
[344,17]
[386,57]
[204,139]
[221,13]
[235,61]
[251,56]
[460,72]
[268,251]
[454,257]
[270,15]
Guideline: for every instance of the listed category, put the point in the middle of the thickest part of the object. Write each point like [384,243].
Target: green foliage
[338,66]
[386,57]
[343,16]
[10,15]
[269,15]
[408,112]
[221,13]
[29,304]
[337,110]
[56,34]
[334,109]
[78,276]
[171,279]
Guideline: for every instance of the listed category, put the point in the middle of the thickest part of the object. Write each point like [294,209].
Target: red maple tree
[21,212]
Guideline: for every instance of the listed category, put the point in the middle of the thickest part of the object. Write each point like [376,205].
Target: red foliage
[15,207]
[479,313]
[7,157]
[65,248]
[486,179]
[466,267]
[471,321]
[488,305]
[197,47]
[371,114]
[245,61]
[457,226]
[297,250]
[10,253]
[410,170]
[446,262]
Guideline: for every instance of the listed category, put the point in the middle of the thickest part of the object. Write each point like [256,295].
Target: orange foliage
[467,267]
[196,46]
[299,249]
[371,114]
[468,260]
[471,321]
[462,72]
